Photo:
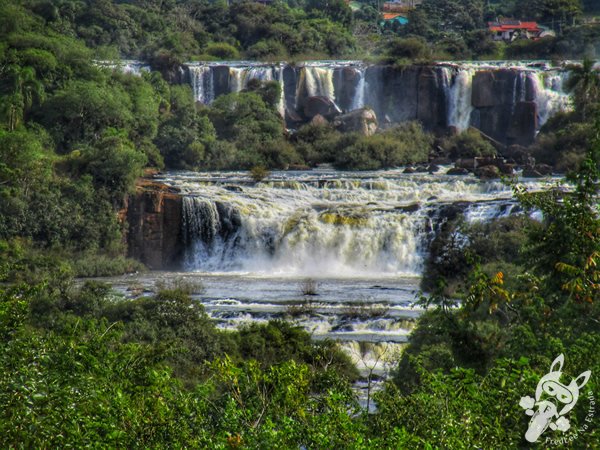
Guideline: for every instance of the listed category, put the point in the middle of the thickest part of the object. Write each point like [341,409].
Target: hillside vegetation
[81,365]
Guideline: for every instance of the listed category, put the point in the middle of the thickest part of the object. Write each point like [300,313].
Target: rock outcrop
[363,121]
[320,106]
[154,218]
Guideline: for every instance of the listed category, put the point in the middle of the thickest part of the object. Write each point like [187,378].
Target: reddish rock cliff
[153,214]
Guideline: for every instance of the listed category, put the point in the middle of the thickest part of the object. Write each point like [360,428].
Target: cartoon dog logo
[550,395]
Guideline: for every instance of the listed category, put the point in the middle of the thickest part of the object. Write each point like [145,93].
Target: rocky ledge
[153,215]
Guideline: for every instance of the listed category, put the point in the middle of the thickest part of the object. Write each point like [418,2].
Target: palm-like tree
[23,90]
[584,83]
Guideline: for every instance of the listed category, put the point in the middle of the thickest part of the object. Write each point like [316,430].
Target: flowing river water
[359,237]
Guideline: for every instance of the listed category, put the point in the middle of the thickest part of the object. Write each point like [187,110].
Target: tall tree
[584,83]
[23,90]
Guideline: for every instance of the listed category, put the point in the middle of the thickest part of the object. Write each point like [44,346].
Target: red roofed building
[508,30]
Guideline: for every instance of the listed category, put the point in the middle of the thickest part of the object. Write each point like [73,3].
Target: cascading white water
[319,81]
[533,81]
[361,236]
[549,95]
[330,224]
[459,99]
[297,238]
[359,96]
[202,83]
[128,66]
[237,78]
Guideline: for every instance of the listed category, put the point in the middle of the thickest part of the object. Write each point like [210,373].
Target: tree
[584,83]
[22,91]
[566,250]
[83,110]
[113,163]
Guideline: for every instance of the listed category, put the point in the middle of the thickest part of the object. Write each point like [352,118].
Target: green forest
[82,366]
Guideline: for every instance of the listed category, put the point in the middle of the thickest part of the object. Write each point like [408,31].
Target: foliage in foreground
[84,367]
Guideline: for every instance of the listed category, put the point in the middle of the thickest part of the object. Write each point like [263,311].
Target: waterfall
[459,99]
[359,96]
[315,225]
[237,79]
[390,92]
[549,95]
[521,88]
[319,81]
[202,83]
[361,236]
[128,66]
[209,229]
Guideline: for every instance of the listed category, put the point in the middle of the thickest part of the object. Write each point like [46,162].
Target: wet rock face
[503,106]
[321,106]
[348,80]
[431,99]
[501,102]
[154,218]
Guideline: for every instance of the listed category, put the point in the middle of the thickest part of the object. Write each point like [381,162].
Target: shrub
[411,48]
[267,49]
[259,173]
[468,144]
[105,266]
[222,50]
[403,144]
[180,284]
[309,287]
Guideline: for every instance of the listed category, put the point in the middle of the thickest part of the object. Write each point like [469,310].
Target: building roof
[390,16]
[509,25]
[395,16]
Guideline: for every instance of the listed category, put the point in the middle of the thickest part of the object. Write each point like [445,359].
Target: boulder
[292,118]
[537,171]
[441,161]
[487,172]
[409,208]
[530,172]
[544,169]
[458,171]
[319,120]
[363,121]
[517,153]
[500,163]
[323,106]
[409,170]
[465,163]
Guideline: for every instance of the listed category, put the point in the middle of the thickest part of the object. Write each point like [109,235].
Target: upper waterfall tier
[508,101]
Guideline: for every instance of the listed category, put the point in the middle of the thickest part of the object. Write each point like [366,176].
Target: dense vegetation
[82,366]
